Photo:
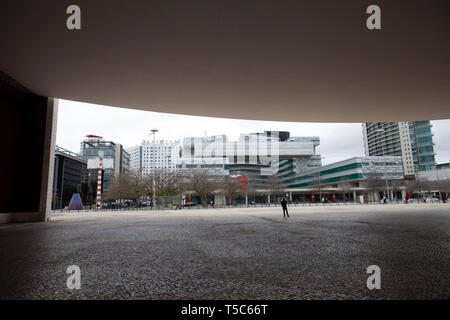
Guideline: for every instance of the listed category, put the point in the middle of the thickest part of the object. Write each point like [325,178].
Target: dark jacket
[283,203]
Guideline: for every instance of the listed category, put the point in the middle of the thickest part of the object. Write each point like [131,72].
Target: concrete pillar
[290,196]
[354,196]
[403,195]
[246,199]
[218,199]
[27,179]
[49,159]
[268,198]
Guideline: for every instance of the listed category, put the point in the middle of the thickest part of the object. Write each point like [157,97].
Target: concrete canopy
[254,59]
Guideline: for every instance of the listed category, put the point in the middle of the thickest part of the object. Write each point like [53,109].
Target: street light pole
[383,147]
[320,189]
[154,131]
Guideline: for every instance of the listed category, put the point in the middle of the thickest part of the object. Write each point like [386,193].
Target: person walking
[284,206]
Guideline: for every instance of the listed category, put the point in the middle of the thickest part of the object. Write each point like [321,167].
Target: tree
[375,182]
[275,185]
[168,182]
[397,185]
[231,187]
[129,185]
[444,185]
[444,188]
[251,190]
[417,186]
[202,183]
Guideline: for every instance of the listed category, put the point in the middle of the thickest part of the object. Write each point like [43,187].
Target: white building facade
[253,155]
[150,156]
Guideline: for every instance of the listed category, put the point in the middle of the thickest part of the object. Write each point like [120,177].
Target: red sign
[243,182]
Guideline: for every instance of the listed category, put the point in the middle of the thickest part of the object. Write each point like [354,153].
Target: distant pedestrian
[284,206]
[384,200]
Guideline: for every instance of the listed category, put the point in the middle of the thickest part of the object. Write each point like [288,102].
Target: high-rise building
[149,156]
[115,159]
[413,141]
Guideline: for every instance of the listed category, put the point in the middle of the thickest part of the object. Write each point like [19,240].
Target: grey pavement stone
[318,253]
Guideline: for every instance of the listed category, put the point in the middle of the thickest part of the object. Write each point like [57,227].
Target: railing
[241,206]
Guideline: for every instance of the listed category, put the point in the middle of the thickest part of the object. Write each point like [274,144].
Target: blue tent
[75,202]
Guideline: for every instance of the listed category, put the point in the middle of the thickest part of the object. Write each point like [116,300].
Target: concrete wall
[27,130]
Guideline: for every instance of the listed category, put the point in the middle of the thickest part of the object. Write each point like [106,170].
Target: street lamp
[383,147]
[320,190]
[153,132]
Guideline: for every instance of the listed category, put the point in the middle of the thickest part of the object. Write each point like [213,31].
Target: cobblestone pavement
[318,253]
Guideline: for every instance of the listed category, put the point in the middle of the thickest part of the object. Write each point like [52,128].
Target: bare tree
[275,185]
[420,186]
[202,183]
[375,182]
[167,182]
[397,185]
[129,185]
[444,188]
[417,186]
[251,191]
[232,187]
[444,185]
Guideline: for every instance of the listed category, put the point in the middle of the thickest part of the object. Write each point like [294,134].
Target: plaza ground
[320,252]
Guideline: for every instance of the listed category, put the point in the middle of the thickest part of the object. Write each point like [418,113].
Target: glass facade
[90,149]
[422,145]
[69,170]
[383,138]
[351,170]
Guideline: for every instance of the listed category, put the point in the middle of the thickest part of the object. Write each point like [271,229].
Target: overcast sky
[338,141]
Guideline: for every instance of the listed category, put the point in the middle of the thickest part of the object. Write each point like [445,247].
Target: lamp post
[153,132]
[383,147]
[320,190]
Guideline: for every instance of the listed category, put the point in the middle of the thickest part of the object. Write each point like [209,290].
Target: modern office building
[413,141]
[115,159]
[442,166]
[253,155]
[352,176]
[151,156]
[69,170]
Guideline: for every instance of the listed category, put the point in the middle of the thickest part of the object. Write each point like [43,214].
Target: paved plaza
[248,253]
